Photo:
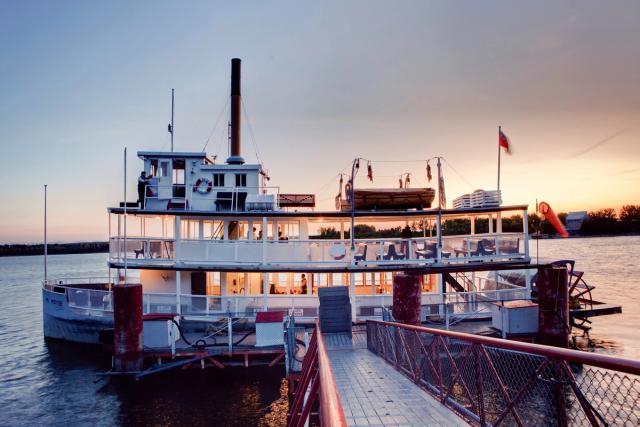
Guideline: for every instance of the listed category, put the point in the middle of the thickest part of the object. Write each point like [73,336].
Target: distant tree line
[54,248]
[603,221]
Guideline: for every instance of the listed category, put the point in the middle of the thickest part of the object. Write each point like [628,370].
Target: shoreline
[9,250]
[53,249]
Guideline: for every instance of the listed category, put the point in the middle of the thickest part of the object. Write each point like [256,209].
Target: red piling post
[553,304]
[407,298]
[127,328]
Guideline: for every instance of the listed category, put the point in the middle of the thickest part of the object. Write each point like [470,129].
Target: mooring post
[407,298]
[127,328]
[553,306]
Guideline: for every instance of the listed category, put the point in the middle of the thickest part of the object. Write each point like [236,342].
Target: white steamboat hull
[71,324]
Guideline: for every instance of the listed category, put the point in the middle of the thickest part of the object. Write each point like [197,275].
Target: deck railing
[321,252]
[94,295]
[497,382]
[226,199]
[316,384]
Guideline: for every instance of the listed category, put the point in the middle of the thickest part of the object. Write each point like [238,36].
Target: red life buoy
[203,186]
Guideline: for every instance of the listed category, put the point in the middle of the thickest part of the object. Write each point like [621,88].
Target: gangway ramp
[372,392]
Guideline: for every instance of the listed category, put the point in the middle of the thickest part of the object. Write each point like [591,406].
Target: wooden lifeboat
[390,199]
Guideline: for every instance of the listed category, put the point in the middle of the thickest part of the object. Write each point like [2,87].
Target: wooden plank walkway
[374,393]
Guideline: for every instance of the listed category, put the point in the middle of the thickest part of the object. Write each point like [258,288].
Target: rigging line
[459,174]
[342,171]
[398,161]
[251,134]
[215,126]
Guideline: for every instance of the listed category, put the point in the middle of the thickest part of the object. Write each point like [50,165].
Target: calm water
[612,264]
[52,383]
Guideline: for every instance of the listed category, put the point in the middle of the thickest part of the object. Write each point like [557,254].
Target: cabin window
[164,169]
[178,171]
[218,180]
[153,168]
[241,180]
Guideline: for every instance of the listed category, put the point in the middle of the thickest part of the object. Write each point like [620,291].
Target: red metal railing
[316,384]
[492,382]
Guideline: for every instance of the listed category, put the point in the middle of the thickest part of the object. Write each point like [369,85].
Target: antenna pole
[125,212]
[172,105]
[499,150]
[45,232]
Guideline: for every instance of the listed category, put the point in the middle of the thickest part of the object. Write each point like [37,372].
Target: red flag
[504,142]
[369,172]
[428,172]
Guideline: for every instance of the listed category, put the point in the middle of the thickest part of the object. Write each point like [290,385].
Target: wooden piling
[553,303]
[127,331]
[407,298]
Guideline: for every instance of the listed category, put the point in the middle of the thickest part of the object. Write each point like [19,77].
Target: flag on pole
[504,142]
[170,128]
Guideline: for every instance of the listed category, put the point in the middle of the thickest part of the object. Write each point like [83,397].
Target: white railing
[452,306]
[205,197]
[367,252]
[141,248]
[448,305]
[242,306]
[90,300]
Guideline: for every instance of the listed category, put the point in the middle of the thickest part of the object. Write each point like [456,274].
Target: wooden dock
[373,392]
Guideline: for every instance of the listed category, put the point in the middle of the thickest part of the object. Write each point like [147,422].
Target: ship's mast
[171,126]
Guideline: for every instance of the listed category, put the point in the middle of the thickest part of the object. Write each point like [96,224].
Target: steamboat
[210,241]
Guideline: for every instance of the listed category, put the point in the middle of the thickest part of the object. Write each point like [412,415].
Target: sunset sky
[323,82]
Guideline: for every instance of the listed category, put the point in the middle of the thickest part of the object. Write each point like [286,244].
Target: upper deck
[317,241]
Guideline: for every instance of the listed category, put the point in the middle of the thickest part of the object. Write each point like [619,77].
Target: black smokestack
[236,104]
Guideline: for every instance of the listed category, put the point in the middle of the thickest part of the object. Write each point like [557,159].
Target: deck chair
[361,255]
[428,250]
[510,247]
[392,254]
[484,248]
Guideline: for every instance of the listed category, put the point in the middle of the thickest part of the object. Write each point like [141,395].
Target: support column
[178,292]
[352,296]
[265,290]
[264,240]
[553,306]
[127,328]
[177,230]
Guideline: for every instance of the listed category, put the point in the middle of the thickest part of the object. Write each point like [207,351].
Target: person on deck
[303,283]
[406,234]
[143,181]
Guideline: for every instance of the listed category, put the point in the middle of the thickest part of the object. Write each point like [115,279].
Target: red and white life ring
[203,186]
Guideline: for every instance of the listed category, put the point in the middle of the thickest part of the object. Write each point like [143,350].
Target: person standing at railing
[406,234]
[143,181]
[303,285]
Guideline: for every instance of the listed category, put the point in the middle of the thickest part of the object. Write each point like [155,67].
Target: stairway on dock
[372,392]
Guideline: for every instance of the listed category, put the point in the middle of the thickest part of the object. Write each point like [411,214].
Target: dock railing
[498,382]
[316,384]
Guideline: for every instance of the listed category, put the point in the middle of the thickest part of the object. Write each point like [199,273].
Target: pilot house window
[218,180]
[241,180]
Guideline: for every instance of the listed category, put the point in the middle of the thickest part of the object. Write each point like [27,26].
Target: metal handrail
[331,411]
[628,366]
[317,378]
